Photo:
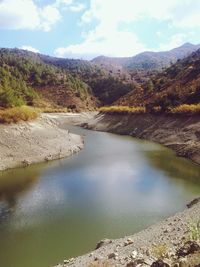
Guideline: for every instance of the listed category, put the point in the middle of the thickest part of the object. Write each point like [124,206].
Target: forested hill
[176,85]
[39,80]
[106,85]
[147,60]
[26,79]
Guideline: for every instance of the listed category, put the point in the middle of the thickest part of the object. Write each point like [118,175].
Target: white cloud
[66,2]
[17,14]
[77,8]
[49,16]
[182,13]
[175,41]
[107,38]
[29,48]
[117,44]
[25,14]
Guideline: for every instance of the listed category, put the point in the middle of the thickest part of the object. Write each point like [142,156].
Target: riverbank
[41,140]
[180,133]
[170,241]
[169,238]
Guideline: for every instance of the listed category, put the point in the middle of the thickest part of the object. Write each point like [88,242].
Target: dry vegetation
[186,109]
[122,110]
[16,114]
[55,110]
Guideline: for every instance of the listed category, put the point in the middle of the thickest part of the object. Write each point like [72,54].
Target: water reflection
[174,167]
[13,183]
[116,186]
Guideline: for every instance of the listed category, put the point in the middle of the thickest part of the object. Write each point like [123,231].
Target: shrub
[186,109]
[194,231]
[160,251]
[122,110]
[55,110]
[13,115]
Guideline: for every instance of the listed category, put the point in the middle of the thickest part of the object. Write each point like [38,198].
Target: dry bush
[54,110]
[122,110]
[13,115]
[159,251]
[186,109]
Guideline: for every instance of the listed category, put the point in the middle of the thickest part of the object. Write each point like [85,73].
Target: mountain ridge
[148,60]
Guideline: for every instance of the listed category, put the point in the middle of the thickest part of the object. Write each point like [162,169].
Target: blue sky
[88,28]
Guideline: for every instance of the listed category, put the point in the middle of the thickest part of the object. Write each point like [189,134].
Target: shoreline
[36,141]
[167,237]
[179,133]
[175,132]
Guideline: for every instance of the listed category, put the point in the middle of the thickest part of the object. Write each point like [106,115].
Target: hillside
[178,84]
[107,85]
[26,79]
[39,80]
[147,60]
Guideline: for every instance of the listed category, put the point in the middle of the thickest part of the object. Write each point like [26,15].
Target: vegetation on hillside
[185,109]
[50,83]
[16,114]
[106,85]
[122,110]
[147,61]
[24,79]
[177,85]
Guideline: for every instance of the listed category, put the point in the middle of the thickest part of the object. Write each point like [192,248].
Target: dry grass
[122,110]
[13,115]
[186,109]
[54,110]
[159,251]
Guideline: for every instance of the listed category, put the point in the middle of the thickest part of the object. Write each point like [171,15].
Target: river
[115,186]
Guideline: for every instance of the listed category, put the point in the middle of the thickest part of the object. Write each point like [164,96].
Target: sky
[89,28]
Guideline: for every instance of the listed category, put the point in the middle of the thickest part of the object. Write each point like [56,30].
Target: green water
[116,186]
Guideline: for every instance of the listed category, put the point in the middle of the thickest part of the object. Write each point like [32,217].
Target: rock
[183,263]
[159,263]
[189,247]
[25,163]
[98,258]
[134,263]
[193,202]
[129,241]
[112,255]
[134,254]
[103,242]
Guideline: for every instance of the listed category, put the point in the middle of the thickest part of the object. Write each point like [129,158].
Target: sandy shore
[30,142]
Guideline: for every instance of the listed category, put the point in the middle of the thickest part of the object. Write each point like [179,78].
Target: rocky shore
[180,133]
[41,140]
[174,242]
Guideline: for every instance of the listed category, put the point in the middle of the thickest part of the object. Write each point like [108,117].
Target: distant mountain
[147,60]
[177,84]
